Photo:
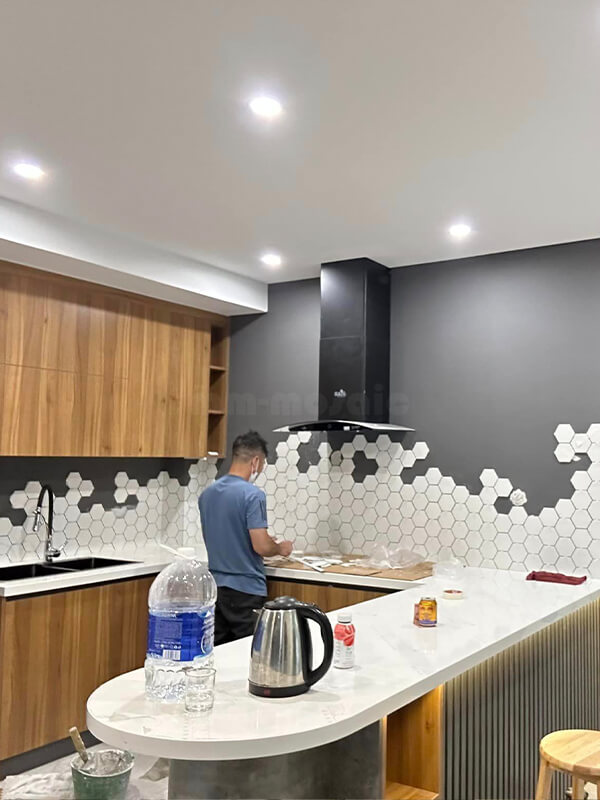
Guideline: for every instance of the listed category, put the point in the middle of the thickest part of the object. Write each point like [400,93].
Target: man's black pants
[234,614]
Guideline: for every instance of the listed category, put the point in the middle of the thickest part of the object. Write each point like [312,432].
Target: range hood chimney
[354,354]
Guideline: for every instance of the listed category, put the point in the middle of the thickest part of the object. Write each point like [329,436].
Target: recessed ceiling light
[271,259]
[459,231]
[267,107]
[30,171]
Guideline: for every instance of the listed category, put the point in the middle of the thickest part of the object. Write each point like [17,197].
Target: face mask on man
[255,471]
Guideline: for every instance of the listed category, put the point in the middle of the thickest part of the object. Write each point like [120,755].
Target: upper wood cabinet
[90,371]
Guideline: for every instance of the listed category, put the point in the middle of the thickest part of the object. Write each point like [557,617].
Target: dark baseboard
[42,755]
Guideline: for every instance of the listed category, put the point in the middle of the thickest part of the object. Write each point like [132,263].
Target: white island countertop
[395,664]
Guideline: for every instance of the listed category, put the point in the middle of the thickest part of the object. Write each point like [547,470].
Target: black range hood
[354,356]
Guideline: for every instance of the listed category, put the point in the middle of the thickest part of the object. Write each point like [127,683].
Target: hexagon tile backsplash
[347,498]
[140,510]
[355,496]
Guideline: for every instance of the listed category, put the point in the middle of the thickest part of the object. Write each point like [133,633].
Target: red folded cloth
[555,577]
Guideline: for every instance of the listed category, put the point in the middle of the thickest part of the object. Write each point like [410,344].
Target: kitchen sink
[20,571]
[94,562]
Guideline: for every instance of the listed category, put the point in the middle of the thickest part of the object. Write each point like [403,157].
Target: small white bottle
[343,641]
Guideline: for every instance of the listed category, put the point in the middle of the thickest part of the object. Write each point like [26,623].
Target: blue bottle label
[181,636]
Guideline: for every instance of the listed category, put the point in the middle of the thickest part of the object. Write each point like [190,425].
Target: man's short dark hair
[248,445]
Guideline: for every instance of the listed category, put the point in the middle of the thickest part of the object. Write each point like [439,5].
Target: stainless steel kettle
[281,656]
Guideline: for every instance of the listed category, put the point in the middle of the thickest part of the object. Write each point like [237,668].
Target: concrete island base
[350,768]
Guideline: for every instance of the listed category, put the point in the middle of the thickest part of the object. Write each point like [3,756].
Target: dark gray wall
[489,354]
[274,363]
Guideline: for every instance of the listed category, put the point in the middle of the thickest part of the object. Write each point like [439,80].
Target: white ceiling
[401,117]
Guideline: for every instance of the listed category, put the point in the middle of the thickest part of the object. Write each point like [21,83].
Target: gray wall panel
[489,354]
[274,365]
[496,713]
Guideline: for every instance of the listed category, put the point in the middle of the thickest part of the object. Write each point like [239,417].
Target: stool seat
[576,751]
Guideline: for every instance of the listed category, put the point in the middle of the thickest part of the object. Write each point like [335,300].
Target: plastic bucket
[112,786]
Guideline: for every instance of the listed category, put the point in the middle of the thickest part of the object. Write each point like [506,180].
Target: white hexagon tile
[350,497]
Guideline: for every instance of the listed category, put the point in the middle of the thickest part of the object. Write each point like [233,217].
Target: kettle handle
[312,611]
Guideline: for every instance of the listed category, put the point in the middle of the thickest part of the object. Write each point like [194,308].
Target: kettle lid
[282,604]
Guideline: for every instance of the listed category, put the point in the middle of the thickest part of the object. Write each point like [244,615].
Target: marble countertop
[145,561]
[395,664]
[151,559]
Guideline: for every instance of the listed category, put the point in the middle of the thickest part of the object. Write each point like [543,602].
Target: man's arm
[264,545]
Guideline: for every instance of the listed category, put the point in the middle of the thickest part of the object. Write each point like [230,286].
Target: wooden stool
[575,752]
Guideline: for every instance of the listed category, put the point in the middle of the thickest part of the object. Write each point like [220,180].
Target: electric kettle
[281,656]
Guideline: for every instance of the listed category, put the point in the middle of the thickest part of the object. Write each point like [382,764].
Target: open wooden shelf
[399,791]
[219,346]
[216,433]
[414,747]
[216,437]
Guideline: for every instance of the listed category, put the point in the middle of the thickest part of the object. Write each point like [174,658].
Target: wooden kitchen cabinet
[90,371]
[55,649]
[327,597]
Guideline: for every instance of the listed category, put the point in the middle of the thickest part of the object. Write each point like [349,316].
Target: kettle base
[277,691]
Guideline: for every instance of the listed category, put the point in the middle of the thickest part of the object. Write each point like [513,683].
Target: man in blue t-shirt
[234,526]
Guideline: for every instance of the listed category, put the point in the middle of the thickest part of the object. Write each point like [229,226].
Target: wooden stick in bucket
[79,745]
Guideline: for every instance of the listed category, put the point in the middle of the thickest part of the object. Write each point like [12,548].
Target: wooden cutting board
[342,569]
[419,571]
[352,569]
[285,563]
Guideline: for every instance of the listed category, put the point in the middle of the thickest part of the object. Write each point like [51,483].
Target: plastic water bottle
[181,626]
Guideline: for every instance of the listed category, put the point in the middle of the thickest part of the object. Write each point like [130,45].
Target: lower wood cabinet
[327,596]
[55,649]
